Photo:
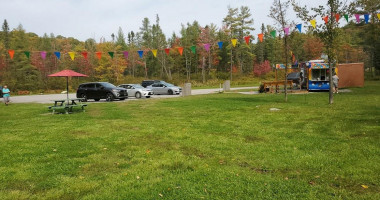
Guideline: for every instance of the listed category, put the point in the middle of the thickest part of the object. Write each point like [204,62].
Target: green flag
[346,17]
[273,33]
[193,48]
[27,53]
[111,54]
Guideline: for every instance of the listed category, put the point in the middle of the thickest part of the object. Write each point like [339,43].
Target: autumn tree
[328,32]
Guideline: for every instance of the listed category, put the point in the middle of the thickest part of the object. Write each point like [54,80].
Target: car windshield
[138,86]
[110,85]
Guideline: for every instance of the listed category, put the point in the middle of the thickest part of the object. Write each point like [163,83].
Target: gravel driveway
[48,98]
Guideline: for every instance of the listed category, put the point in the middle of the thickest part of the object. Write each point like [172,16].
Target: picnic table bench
[272,86]
[67,107]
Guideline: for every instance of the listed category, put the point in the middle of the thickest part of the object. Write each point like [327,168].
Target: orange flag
[261,37]
[246,38]
[326,19]
[180,50]
[98,54]
[11,53]
[337,17]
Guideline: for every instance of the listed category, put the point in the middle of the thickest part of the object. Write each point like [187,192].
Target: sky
[84,19]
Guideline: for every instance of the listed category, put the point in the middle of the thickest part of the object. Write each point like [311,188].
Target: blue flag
[299,26]
[366,18]
[58,54]
[220,44]
[141,53]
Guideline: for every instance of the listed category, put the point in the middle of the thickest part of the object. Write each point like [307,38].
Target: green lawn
[221,146]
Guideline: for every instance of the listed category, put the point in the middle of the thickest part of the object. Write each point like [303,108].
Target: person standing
[335,80]
[6,94]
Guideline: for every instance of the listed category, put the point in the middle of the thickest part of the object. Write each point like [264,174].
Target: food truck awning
[318,65]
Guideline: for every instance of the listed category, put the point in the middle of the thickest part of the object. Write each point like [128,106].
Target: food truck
[317,74]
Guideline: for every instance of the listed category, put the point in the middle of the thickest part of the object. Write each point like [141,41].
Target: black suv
[101,90]
[149,82]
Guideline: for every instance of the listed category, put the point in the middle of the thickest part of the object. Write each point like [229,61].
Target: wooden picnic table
[67,106]
[275,84]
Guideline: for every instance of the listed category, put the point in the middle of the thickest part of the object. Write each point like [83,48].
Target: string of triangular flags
[206,46]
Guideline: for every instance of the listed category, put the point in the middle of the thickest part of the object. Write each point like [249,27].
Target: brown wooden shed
[351,75]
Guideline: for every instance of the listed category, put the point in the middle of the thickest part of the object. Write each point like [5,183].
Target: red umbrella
[67,73]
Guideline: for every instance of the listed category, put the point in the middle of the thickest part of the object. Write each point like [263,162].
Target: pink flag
[125,54]
[207,46]
[43,54]
[286,29]
[357,16]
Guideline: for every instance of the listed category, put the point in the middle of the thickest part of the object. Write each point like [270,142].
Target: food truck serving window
[319,75]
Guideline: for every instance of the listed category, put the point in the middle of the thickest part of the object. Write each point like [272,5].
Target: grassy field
[221,146]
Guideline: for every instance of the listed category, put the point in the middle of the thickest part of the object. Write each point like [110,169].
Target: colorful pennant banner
[84,54]
[154,51]
[167,51]
[141,53]
[313,23]
[286,30]
[72,55]
[27,54]
[366,18]
[247,38]
[337,17]
[261,37]
[193,48]
[299,27]
[111,54]
[357,16]
[273,33]
[11,53]
[180,50]
[220,44]
[98,55]
[326,19]
[234,42]
[346,17]
[57,54]
[43,55]
[207,47]
[125,53]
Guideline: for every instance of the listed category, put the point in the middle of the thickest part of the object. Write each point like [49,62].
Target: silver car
[136,90]
[164,88]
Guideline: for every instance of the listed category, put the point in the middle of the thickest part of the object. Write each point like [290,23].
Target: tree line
[354,43]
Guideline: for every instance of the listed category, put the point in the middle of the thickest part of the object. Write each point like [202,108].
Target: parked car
[136,90]
[297,78]
[101,90]
[146,83]
[163,87]
[1,91]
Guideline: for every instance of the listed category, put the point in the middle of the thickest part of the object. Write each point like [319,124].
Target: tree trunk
[203,70]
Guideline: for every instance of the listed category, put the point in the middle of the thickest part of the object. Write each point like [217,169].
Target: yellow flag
[72,55]
[378,15]
[154,51]
[313,22]
[234,42]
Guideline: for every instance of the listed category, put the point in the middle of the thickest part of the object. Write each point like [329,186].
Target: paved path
[48,98]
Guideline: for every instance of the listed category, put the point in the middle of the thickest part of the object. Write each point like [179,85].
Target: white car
[164,88]
[136,90]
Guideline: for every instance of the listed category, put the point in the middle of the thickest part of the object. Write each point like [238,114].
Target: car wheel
[84,97]
[147,96]
[122,99]
[170,92]
[138,95]
[97,99]
[109,97]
